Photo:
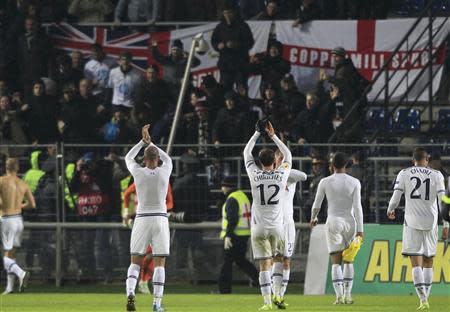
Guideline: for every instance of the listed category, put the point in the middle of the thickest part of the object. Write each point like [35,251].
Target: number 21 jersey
[420,186]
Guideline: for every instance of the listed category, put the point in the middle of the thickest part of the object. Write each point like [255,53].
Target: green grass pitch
[102,298]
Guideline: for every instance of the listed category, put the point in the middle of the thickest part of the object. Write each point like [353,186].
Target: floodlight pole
[184,84]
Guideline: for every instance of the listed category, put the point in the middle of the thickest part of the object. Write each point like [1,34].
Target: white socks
[11,278]
[285,282]
[264,283]
[132,278]
[349,272]
[338,280]
[277,277]
[12,267]
[418,278]
[428,280]
[159,277]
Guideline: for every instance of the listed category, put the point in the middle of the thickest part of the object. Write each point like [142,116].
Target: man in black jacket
[233,39]
[230,123]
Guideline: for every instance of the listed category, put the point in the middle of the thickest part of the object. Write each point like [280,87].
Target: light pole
[200,46]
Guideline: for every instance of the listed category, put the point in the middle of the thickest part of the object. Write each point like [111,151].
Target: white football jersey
[268,187]
[99,71]
[421,187]
[151,184]
[343,193]
[288,202]
[125,86]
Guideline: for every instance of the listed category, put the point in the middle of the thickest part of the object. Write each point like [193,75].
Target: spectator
[174,64]
[116,130]
[64,74]
[138,11]
[97,114]
[270,65]
[307,11]
[233,39]
[35,53]
[274,108]
[11,131]
[124,82]
[270,13]
[87,11]
[92,183]
[154,95]
[97,70]
[229,126]
[77,61]
[313,124]
[294,99]
[40,111]
[74,121]
[214,95]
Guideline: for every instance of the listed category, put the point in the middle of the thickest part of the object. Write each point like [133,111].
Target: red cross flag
[369,43]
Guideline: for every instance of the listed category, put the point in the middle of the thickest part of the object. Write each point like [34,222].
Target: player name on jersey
[265,175]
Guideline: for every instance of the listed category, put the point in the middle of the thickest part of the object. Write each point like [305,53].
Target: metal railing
[383,73]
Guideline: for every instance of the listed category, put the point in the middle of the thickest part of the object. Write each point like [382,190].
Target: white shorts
[289,239]
[267,242]
[150,230]
[419,242]
[12,229]
[340,232]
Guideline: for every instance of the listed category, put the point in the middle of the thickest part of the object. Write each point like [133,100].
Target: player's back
[339,189]
[268,191]
[12,193]
[421,186]
[151,189]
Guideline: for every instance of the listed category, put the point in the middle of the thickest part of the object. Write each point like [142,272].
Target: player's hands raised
[391,215]
[269,129]
[146,135]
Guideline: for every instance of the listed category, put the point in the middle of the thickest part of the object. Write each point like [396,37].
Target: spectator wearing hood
[294,99]
[233,39]
[174,63]
[229,126]
[270,65]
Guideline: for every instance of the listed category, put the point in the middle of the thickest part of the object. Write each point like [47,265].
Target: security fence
[63,243]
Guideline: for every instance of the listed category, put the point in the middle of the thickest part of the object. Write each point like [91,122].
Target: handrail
[384,68]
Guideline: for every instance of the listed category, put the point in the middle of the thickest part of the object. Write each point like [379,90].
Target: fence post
[377,192]
[58,252]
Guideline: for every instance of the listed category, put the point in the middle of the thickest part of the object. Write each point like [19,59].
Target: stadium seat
[406,121]
[375,119]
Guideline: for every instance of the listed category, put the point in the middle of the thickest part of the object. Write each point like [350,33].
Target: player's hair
[339,160]
[266,156]
[12,165]
[419,154]
[151,153]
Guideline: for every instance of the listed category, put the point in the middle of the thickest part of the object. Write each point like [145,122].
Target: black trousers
[236,254]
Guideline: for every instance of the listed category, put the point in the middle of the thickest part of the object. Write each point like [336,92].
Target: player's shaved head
[420,154]
[151,153]
[266,157]
[12,165]
[339,160]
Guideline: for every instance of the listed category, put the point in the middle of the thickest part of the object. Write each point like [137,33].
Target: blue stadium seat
[375,119]
[406,121]
[443,122]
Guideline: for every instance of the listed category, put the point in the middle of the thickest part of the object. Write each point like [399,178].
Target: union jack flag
[81,38]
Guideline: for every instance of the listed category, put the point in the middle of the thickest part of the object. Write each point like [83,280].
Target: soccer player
[267,185]
[422,186]
[344,220]
[151,225]
[281,267]
[15,195]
